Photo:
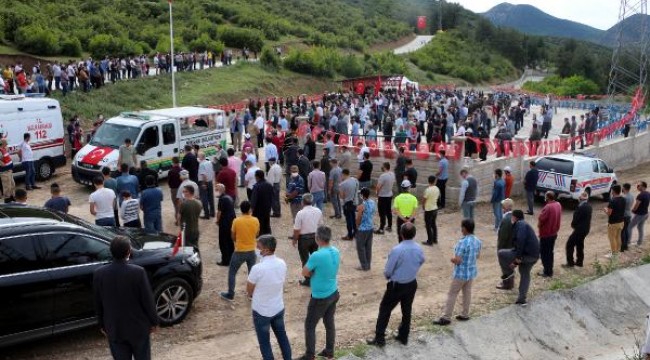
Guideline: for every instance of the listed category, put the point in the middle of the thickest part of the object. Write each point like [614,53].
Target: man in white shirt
[304,231]
[102,203]
[259,124]
[27,159]
[206,187]
[274,176]
[185,177]
[249,178]
[270,152]
[266,288]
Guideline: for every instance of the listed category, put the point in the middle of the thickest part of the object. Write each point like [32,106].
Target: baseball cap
[406,184]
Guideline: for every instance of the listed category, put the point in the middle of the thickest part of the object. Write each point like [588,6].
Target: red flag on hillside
[422,22]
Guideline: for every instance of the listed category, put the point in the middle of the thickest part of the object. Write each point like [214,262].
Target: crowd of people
[93,74]
[339,184]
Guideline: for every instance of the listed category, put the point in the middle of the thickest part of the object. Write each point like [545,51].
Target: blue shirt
[369,209]
[150,201]
[468,249]
[284,124]
[60,203]
[324,266]
[270,152]
[443,167]
[296,184]
[499,191]
[404,262]
[127,182]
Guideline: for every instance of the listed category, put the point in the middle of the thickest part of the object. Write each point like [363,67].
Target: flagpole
[171,40]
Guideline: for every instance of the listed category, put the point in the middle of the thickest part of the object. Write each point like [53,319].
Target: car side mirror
[140,149]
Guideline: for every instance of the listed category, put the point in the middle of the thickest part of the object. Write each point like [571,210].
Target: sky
[601,14]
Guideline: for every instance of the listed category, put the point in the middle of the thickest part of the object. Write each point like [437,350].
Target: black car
[47,260]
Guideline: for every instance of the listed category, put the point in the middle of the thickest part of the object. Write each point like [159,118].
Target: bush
[241,38]
[570,86]
[351,66]
[71,46]
[36,40]
[106,45]
[205,43]
[269,59]
[318,61]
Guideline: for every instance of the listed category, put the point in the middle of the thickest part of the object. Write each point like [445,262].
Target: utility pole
[439,15]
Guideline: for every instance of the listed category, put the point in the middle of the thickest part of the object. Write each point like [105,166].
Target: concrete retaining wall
[594,321]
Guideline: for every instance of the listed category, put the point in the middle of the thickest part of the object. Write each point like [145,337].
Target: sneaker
[529,213]
[227,296]
[462,318]
[567,266]
[36,187]
[608,256]
[375,342]
[544,275]
[401,340]
[521,302]
[427,243]
[326,354]
[379,232]
[345,238]
[304,282]
[442,322]
[389,229]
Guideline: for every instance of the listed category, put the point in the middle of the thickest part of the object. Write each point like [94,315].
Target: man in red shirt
[509,179]
[548,225]
[228,178]
[277,139]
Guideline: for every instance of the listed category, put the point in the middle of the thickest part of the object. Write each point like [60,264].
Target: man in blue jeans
[266,288]
[322,267]
[27,160]
[150,203]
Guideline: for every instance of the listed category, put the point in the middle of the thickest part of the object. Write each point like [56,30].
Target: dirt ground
[216,329]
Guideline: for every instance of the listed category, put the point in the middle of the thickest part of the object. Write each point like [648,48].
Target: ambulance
[158,136]
[569,175]
[41,117]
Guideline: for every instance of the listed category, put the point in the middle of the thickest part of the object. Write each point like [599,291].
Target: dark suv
[47,260]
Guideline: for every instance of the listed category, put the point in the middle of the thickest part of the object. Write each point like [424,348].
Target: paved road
[414,45]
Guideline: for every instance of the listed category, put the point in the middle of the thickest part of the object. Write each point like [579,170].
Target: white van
[158,136]
[41,117]
[569,175]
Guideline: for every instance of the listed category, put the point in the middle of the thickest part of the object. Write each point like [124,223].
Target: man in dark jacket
[124,304]
[581,225]
[530,182]
[191,164]
[524,254]
[504,236]
[261,200]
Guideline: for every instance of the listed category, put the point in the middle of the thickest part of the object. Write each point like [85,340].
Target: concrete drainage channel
[597,320]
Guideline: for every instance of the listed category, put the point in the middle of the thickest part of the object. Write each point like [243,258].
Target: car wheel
[173,298]
[44,170]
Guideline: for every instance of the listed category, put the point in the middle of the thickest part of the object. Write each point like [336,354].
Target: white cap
[507,168]
[406,184]
[184,173]
[247,136]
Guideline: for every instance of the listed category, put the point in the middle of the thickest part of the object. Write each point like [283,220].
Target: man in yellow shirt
[405,207]
[430,206]
[244,232]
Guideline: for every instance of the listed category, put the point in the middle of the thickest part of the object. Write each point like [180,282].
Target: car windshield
[113,135]
[105,232]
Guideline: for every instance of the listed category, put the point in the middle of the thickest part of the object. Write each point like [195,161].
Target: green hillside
[68,27]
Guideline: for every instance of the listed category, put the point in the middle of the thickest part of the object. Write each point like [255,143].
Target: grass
[359,350]
[9,50]
[206,87]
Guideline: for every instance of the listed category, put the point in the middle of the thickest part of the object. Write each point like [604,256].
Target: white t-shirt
[250,177]
[308,219]
[206,168]
[274,175]
[27,153]
[268,276]
[103,200]
[130,210]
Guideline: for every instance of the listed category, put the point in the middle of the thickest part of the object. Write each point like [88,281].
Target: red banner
[422,22]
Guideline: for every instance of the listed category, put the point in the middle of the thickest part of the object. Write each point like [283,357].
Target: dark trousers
[238,259]
[506,257]
[316,310]
[363,240]
[226,245]
[430,225]
[349,211]
[133,224]
[625,233]
[206,192]
[546,127]
[306,246]
[442,185]
[400,222]
[576,241]
[385,213]
[530,200]
[275,203]
[131,349]
[546,247]
[265,222]
[396,293]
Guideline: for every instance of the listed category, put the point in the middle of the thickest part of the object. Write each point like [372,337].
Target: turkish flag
[422,22]
[179,240]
